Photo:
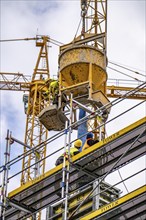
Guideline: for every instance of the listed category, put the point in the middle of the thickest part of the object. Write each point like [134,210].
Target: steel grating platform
[88,165]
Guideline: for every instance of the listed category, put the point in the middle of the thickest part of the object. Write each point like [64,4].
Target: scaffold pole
[5,174]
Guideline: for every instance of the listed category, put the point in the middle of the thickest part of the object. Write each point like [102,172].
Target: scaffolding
[76,195]
[76,168]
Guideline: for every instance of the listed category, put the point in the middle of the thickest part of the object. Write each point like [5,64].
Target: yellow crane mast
[35,132]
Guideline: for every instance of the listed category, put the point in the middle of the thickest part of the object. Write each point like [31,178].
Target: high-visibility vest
[86,145]
[54,88]
[73,150]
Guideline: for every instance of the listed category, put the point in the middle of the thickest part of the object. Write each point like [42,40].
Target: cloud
[126,32]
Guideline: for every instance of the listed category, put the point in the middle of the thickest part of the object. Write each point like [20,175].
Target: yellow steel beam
[116,203]
[34,181]
[118,91]
[14,81]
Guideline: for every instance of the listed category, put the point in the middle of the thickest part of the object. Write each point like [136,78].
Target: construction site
[102,181]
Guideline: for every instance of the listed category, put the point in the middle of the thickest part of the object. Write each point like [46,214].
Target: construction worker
[89,141]
[73,151]
[54,90]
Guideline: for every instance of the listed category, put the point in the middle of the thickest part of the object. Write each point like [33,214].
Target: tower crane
[35,132]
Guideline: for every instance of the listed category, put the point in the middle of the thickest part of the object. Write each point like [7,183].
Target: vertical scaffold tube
[69,158]
[64,160]
[5,174]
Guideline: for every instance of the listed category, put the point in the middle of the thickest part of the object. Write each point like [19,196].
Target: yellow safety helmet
[78,143]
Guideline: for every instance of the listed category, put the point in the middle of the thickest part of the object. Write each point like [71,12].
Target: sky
[59,20]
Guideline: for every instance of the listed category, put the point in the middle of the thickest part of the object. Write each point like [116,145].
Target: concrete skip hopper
[53,118]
